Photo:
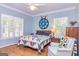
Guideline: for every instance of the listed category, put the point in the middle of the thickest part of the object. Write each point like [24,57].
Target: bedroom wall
[27,29]
[78,14]
[71,14]
[78,25]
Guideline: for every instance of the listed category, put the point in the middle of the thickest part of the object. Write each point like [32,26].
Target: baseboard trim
[7,45]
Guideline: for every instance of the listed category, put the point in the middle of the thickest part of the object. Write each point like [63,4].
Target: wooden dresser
[73,32]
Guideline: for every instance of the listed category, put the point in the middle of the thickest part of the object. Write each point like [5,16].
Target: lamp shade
[53,30]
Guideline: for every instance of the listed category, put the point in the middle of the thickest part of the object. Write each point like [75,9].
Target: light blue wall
[77,11]
[27,25]
[71,14]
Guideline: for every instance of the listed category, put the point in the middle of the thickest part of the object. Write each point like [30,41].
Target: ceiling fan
[34,6]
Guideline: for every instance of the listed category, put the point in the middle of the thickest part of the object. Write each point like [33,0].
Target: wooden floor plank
[15,50]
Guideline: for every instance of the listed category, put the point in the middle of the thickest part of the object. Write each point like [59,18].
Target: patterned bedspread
[35,41]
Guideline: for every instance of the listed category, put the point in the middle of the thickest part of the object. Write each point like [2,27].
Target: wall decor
[72,23]
[43,23]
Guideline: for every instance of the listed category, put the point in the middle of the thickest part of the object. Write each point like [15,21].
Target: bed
[37,41]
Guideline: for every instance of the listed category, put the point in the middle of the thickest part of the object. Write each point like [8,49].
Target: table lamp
[53,30]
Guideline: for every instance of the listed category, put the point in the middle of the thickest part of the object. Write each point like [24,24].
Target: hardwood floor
[15,50]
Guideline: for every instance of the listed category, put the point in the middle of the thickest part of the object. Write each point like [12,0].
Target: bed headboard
[43,32]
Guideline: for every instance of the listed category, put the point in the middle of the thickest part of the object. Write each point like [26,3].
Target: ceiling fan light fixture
[33,7]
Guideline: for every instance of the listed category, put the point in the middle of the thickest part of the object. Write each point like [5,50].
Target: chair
[55,50]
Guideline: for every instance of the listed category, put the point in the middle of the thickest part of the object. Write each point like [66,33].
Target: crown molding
[45,13]
[56,11]
[14,9]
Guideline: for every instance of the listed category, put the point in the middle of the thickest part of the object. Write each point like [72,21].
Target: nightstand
[57,40]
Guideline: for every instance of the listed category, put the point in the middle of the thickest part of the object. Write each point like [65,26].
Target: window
[11,26]
[18,27]
[4,25]
[61,24]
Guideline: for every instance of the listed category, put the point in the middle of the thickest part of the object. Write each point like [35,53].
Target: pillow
[46,33]
[70,42]
[32,34]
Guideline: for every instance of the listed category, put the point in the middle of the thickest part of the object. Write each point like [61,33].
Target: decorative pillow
[32,33]
[46,33]
[63,41]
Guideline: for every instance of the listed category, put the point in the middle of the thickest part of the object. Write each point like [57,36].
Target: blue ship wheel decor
[43,23]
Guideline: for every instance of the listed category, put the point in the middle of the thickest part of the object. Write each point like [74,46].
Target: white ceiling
[42,7]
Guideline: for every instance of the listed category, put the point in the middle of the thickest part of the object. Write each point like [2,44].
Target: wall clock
[43,23]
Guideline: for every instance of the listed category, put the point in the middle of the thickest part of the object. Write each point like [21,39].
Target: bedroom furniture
[52,50]
[73,32]
[52,37]
[53,30]
[37,41]
[75,50]
[57,40]
[55,50]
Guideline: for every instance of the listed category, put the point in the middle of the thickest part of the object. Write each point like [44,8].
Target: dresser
[73,32]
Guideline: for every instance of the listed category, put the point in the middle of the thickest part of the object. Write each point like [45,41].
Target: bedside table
[57,40]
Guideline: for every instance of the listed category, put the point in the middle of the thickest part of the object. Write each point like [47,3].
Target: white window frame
[8,18]
[58,33]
